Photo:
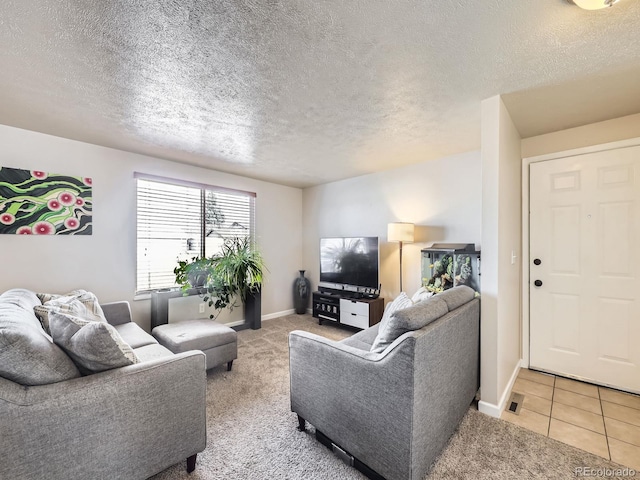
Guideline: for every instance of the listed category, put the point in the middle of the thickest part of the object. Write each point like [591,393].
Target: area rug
[251,431]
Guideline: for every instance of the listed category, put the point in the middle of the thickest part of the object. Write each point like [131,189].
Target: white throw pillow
[421,294]
[383,340]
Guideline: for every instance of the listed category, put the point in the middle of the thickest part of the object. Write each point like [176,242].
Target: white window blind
[179,221]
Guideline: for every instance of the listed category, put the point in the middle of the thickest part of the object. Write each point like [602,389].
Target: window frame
[204,188]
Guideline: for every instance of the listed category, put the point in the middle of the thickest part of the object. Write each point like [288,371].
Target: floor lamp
[400,232]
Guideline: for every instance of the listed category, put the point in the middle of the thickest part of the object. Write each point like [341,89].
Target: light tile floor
[599,420]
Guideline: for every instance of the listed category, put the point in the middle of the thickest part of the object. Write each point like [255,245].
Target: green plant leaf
[236,271]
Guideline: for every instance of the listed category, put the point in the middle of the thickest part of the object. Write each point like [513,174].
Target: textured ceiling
[302,92]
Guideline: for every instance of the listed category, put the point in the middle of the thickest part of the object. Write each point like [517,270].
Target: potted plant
[236,272]
[192,273]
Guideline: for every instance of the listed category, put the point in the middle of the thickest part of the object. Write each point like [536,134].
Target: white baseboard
[283,313]
[234,324]
[269,316]
[496,410]
[489,409]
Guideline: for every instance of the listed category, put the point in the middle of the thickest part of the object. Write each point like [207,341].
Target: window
[180,220]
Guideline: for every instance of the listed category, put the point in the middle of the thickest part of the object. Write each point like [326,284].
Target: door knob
[538,283]
[537,261]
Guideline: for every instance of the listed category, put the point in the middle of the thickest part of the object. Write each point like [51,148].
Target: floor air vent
[515,403]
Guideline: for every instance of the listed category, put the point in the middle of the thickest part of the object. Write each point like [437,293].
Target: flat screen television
[349,263]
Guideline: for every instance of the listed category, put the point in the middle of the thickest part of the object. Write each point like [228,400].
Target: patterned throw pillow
[79,303]
[94,346]
[384,338]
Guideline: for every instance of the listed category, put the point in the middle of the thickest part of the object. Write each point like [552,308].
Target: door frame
[526,162]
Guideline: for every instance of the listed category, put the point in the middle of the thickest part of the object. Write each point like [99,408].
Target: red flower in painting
[79,202]
[38,174]
[24,231]
[67,198]
[87,181]
[44,228]
[72,223]
[54,205]
[7,218]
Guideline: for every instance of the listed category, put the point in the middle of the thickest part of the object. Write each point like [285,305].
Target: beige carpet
[251,432]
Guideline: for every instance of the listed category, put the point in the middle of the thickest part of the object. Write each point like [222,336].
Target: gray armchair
[390,413]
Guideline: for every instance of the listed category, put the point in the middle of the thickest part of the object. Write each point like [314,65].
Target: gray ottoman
[218,342]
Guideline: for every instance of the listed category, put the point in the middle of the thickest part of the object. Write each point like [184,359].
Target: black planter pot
[253,310]
[301,289]
[197,278]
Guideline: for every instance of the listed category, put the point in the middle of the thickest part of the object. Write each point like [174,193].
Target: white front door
[584,263]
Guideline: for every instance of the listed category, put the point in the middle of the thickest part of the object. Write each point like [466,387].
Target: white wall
[501,267]
[105,261]
[502,153]
[441,197]
[622,128]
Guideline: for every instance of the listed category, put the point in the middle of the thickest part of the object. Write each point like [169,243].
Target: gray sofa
[126,423]
[391,413]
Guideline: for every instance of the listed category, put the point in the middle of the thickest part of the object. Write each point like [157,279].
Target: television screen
[349,261]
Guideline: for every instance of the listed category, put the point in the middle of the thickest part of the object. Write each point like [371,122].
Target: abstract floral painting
[38,203]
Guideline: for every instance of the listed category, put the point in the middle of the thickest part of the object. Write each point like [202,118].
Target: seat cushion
[194,335]
[151,352]
[28,356]
[135,336]
[363,340]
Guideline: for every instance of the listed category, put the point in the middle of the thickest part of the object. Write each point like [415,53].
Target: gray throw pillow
[94,346]
[27,354]
[79,303]
[384,334]
[409,319]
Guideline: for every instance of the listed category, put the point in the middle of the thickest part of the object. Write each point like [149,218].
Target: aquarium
[446,265]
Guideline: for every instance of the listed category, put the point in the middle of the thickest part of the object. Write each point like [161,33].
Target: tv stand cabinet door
[358,313]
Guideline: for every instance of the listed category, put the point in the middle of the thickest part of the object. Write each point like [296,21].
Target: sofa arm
[117,313]
[130,422]
[361,400]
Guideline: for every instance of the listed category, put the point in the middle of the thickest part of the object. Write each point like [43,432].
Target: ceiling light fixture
[593,4]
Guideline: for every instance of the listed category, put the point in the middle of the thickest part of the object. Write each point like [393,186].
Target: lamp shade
[400,232]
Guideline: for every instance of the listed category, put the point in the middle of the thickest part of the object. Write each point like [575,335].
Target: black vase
[301,289]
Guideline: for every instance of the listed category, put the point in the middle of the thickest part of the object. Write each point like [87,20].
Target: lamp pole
[401,265]
[400,232]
